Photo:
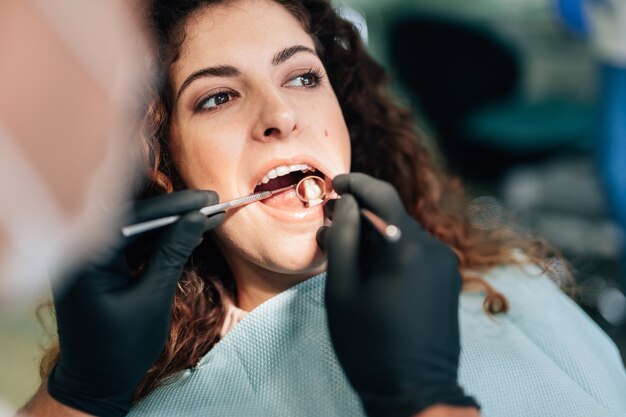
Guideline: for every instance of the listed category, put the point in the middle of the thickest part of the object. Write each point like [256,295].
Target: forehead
[239,32]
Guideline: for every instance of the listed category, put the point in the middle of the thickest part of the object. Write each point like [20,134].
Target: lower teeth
[314,203]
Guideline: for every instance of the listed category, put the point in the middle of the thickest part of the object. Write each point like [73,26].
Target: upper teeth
[279,171]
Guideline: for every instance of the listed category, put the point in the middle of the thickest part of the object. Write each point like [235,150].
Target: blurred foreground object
[68,73]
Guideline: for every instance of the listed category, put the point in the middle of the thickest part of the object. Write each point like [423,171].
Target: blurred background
[526,108]
[515,96]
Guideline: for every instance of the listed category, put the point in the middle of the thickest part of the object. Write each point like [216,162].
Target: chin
[298,258]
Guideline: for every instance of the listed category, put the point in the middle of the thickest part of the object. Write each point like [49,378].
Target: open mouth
[284,176]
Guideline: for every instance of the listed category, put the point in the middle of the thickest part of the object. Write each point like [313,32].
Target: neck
[256,285]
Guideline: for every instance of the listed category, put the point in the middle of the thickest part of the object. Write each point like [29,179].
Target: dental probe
[390,232]
[312,190]
[207,211]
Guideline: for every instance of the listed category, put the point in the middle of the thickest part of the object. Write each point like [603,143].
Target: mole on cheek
[325,132]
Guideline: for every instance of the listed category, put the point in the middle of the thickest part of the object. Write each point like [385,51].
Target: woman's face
[252,100]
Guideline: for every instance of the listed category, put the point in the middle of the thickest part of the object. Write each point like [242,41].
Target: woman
[254,89]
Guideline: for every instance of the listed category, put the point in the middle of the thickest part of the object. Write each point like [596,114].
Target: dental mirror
[311,190]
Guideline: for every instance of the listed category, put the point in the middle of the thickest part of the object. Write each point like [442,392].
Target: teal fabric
[543,358]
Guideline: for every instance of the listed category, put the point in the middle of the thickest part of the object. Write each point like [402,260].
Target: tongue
[286,200]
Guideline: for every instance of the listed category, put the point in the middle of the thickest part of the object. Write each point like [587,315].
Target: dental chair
[466,83]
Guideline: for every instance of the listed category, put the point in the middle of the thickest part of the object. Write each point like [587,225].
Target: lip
[299,215]
[294,160]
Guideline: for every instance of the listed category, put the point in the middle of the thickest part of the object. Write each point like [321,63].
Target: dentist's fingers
[173,203]
[214,221]
[166,265]
[329,208]
[344,245]
[177,203]
[322,237]
[376,195]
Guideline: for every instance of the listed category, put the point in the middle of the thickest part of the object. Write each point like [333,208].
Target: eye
[214,100]
[310,79]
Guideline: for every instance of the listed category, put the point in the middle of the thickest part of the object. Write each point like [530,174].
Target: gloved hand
[112,325]
[392,307]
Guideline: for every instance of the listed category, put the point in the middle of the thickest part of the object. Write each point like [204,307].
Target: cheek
[274,249]
[201,161]
[337,133]
[229,236]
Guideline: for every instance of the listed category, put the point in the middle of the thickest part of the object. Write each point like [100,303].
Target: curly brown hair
[385,144]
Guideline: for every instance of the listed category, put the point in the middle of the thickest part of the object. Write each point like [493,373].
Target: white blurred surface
[69,73]
[607,24]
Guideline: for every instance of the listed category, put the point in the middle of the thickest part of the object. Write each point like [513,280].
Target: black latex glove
[392,307]
[112,327]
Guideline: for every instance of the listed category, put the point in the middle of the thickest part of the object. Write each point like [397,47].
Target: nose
[277,118]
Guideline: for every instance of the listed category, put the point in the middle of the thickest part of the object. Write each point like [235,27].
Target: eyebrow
[229,71]
[219,71]
[290,51]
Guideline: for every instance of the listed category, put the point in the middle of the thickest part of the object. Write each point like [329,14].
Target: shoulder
[538,305]
[545,344]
